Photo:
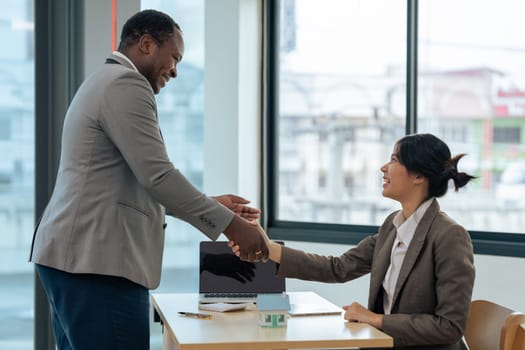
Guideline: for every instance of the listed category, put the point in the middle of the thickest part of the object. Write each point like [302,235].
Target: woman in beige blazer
[420,261]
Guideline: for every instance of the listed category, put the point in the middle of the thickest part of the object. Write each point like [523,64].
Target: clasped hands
[249,241]
[243,231]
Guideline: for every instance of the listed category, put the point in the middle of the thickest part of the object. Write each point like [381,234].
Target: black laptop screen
[221,271]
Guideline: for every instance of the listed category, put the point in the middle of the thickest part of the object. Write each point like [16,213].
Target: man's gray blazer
[432,297]
[115,183]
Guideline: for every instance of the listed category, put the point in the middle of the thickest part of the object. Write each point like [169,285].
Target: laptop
[224,278]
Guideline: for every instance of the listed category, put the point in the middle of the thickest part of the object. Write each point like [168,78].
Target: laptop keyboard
[230,295]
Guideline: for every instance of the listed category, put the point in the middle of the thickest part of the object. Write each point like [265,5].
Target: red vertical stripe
[488,130]
[113,25]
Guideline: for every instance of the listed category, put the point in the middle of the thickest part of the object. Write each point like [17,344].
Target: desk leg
[168,342]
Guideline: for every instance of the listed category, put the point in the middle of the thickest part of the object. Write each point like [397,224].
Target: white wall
[97,26]
[231,95]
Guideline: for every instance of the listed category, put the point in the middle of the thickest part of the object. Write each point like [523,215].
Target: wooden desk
[240,330]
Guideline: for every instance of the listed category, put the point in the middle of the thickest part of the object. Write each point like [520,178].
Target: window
[341,106]
[17,145]
[507,135]
[341,76]
[471,74]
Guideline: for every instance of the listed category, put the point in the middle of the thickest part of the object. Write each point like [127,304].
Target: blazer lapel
[381,263]
[415,248]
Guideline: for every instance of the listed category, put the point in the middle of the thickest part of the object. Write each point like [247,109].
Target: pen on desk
[195,315]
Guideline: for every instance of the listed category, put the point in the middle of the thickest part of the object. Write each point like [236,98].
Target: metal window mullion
[411,92]
[58,72]
[271,114]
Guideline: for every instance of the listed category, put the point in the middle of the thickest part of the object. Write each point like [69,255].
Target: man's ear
[146,43]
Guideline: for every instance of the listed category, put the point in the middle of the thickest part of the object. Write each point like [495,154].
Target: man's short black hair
[155,23]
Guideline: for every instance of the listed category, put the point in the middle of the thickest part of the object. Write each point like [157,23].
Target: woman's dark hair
[427,155]
[155,23]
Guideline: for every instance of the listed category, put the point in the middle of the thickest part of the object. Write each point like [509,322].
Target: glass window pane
[342,82]
[17,144]
[471,93]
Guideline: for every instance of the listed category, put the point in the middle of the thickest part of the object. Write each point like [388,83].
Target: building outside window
[341,87]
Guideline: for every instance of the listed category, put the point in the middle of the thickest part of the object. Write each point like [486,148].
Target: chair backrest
[513,332]
[519,340]
[484,325]
[491,326]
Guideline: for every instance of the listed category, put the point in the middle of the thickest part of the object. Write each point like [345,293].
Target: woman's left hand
[358,313]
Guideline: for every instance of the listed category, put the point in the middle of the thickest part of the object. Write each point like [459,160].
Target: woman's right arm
[275,250]
[295,263]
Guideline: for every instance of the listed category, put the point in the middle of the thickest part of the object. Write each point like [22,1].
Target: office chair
[513,333]
[519,341]
[491,326]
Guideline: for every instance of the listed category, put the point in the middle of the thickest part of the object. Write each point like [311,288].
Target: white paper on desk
[324,308]
[224,307]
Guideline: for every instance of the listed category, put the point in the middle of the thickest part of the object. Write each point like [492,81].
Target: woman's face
[398,183]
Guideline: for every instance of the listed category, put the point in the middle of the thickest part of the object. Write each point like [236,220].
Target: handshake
[247,238]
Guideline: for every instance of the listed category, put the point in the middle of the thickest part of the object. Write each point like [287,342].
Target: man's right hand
[244,234]
[274,248]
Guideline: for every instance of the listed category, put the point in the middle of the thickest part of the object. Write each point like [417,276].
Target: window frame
[484,242]
[59,67]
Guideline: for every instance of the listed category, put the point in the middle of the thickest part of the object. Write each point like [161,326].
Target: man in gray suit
[98,247]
